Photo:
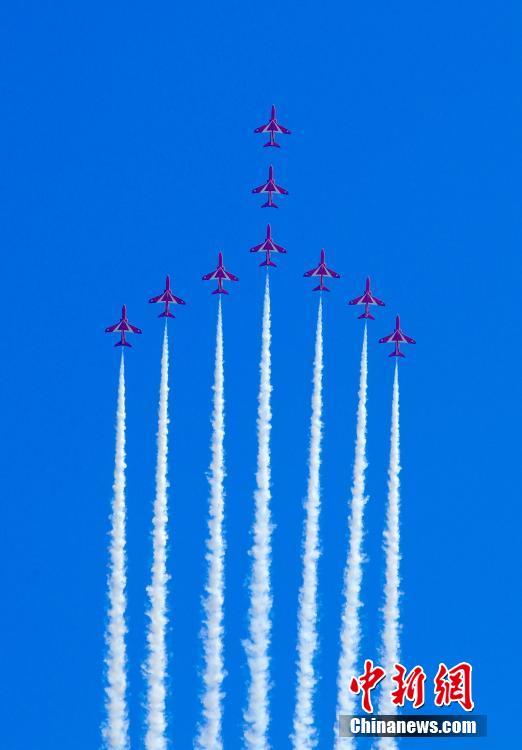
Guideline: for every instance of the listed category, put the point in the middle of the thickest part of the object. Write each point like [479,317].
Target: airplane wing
[272,127]
[230,276]
[260,189]
[159,298]
[408,339]
[177,300]
[279,190]
[332,274]
[113,328]
[378,301]
[134,329]
[357,300]
[387,339]
[210,276]
[257,248]
[312,272]
[278,248]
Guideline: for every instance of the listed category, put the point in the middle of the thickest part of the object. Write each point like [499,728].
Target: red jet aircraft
[122,327]
[268,246]
[270,187]
[321,270]
[221,274]
[366,299]
[167,298]
[272,127]
[398,337]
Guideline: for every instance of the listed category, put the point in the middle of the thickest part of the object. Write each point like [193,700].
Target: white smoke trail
[390,652]
[115,729]
[350,627]
[256,714]
[305,735]
[209,737]
[156,665]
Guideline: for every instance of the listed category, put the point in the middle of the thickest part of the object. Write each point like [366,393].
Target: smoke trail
[115,729]
[390,651]
[350,627]
[156,665]
[305,736]
[209,737]
[256,714]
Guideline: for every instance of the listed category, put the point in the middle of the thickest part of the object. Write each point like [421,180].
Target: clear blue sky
[127,153]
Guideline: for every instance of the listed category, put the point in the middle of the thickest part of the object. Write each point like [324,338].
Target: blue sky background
[127,153]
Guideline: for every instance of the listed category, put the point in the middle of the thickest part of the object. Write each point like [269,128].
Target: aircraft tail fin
[122,343]
[268,263]
[220,291]
[320,288]
[269,204]
[367,315]
[166,314]
[265,145]
[396,354]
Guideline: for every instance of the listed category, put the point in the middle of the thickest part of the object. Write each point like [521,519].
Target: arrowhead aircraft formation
[268,247]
